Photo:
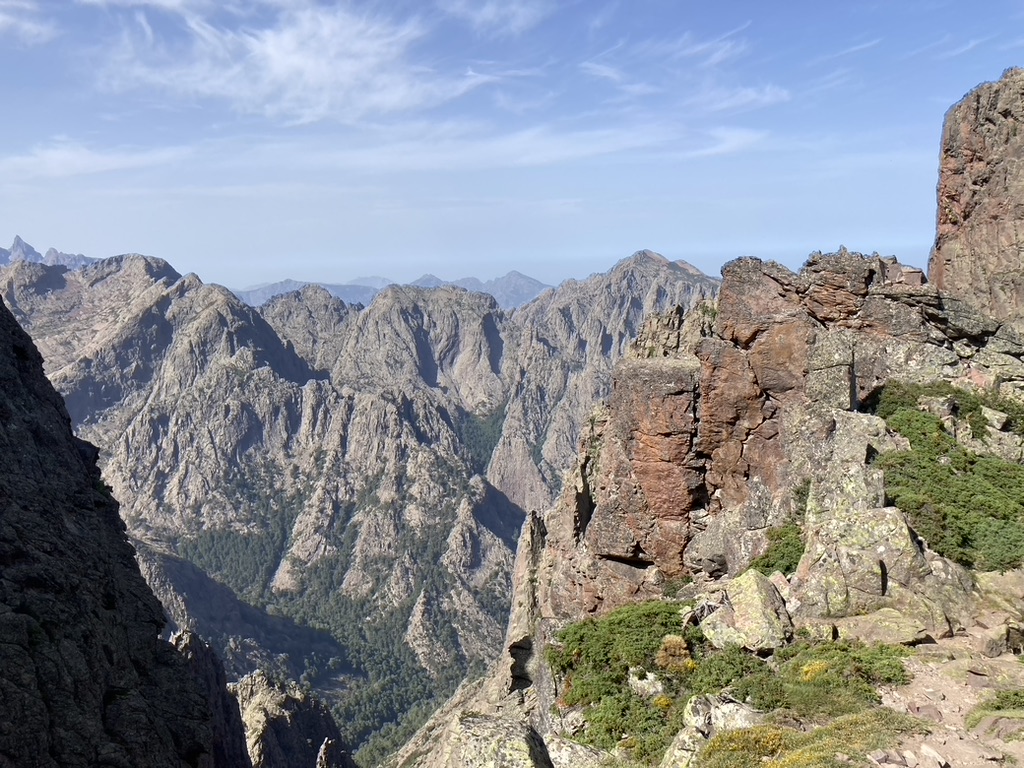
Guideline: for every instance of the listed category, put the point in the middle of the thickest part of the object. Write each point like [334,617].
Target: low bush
[898,395]
[773,746]
[785,548]
[786,543]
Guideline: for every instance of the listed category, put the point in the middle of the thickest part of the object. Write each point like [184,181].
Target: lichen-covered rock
[886,625]
[703,718]
[860,555]
[754,615]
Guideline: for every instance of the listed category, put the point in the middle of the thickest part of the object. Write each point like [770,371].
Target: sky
[256,140]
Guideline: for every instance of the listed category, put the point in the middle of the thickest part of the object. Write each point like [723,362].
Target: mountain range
[360,472]
[511,291]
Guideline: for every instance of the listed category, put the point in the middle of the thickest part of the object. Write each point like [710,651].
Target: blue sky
[250,141]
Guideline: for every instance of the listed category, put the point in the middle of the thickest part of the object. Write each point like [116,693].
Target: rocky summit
[981,200]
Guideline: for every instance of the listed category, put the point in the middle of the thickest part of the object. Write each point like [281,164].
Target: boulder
[703,717]
[753,616]
[886,625]
[481,741]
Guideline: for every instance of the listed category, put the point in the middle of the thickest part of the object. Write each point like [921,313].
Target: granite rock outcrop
[978,245]
[701,447]
[286,727]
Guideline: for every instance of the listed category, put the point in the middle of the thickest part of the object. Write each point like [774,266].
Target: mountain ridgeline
[353,478]
[511,291]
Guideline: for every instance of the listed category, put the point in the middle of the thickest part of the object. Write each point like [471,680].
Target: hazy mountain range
[511,291]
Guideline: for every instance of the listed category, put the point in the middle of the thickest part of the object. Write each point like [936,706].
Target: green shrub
[786,543]
[807,680]
[968,508]
[718,669]
[785,548]
[898,395]
[836,678]
[595,655]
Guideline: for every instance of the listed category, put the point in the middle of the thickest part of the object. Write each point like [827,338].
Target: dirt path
[950,678]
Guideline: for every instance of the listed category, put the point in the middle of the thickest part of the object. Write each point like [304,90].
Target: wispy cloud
[738,99]
[927,47]
[23,20]
[309,63]
[849,51]
[723,141]
[709,52]
[62,158]
[424,146]
[960,50]
[602,17]
[603,71]
[835,79]
[499,17]
[629,89]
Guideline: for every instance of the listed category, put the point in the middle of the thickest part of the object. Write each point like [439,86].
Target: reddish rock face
[979,244]
[710,429]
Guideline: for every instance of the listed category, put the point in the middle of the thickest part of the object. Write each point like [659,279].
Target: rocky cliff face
[362,471]
[84,677]
[701,448]
[565,344]
[977,254]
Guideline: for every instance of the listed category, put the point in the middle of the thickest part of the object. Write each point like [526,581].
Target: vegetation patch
[786,543]
[808,681]
[1006,703]
[968,508]
[785,548]
[967,405]
[773,746]
[480,435]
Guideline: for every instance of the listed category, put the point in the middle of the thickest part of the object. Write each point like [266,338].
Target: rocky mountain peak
[977,249]
[363,470]
[22,251]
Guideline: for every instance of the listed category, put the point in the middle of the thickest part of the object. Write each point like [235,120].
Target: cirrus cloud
[22,19]
[300,62]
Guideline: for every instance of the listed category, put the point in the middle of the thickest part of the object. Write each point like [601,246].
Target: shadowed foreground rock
[84,678]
